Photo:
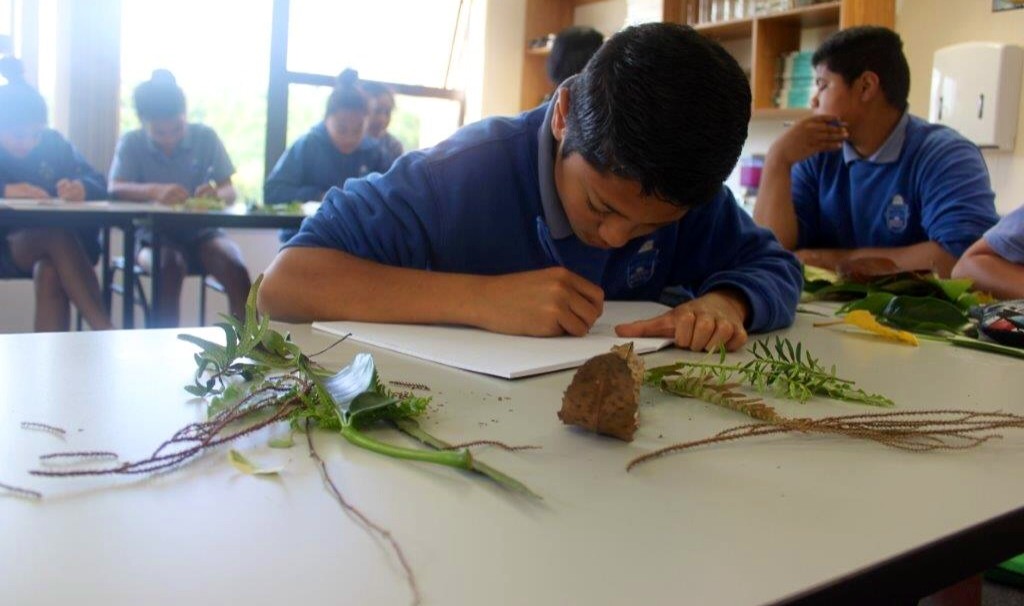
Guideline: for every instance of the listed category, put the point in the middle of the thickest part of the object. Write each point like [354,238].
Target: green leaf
[209,347]
[951,288]
[875,302]
[197,390]
[368,402]
[923,314]
[248,467]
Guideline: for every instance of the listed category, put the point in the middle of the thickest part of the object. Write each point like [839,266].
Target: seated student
[333,151]
[572,48]
[377,126]
[526,225]
[37,163]
[862,177]
[170,160]
[996,261]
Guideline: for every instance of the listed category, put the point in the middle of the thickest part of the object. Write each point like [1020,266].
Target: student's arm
[79,181]
[366,253]
[921,256]
[775,208]
[127,181]
[224,190]
[308,284]
[991,272]
[286,183]
[219,173]
[735,269]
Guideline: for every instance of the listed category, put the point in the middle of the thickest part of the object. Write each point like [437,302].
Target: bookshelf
[756,42]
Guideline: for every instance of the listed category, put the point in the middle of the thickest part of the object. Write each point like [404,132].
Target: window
[219,60]
[420,49]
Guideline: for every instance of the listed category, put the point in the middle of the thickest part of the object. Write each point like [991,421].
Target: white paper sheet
[505,356]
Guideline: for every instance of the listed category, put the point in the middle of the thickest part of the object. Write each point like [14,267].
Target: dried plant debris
[604,396]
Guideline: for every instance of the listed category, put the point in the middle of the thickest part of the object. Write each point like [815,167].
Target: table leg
[155,314]
[128,294]
[105,272]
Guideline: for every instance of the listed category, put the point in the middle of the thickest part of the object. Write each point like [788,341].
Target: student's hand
[825,258]
[170,193]
[814,134]
[71,190]
[702,324]
[543,303]
[25,190]
[206,191]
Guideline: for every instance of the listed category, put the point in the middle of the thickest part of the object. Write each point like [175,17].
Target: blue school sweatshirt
[475,204]
[313,165]
[926,182]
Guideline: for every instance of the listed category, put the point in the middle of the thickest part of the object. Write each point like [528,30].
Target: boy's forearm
[920,256]
[311,284]
[774,208]
[136,192]
[993,274]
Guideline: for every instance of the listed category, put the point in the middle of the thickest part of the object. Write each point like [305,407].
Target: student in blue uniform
[526,225]
[996,261]
[170,160]
[863,177]
[37,163]
[331,152]
[377,126]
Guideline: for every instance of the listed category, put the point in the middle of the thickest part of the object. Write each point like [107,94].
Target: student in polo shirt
[863,177]
[996,261]
[333,151]
[526,225]
[37,163]
[377,125]
[170,160]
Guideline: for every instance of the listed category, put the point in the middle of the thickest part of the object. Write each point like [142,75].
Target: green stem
[742,368]
[986,346]
[460,459]
[413,429]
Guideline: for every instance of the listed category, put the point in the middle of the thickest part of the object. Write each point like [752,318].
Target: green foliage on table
[779,367]
[258,366]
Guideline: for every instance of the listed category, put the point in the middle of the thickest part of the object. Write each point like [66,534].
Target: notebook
[505,356]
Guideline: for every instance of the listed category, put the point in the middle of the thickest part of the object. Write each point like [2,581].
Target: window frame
[281,78]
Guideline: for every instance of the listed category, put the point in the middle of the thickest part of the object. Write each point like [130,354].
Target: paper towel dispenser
[976,90]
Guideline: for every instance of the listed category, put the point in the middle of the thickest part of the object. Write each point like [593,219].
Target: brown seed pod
[604,395]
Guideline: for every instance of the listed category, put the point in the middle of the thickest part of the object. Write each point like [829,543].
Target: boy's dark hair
[20,104]
[573,47]
[347,94]
[853,51]
[159,98]
[662,105]
[376,89]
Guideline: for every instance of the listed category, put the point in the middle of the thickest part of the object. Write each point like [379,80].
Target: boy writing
[526,225]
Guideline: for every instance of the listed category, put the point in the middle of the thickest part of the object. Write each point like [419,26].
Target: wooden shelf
[815,15]
[544,51]
[774,113]
[727,30]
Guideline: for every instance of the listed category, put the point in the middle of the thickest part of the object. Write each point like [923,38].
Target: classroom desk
[100,214]
[128,216]
[789,519]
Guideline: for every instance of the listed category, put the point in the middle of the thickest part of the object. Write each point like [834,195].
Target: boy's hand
[542,303]
[826,258]
[71,190]
[702,324]
[206,191]
[807,137]
[170,193]
[25,191]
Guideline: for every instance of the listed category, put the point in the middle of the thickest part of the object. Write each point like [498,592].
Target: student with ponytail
[332,152]
[170,160]
[38,163]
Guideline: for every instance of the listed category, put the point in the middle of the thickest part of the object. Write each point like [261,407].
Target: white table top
[743,523]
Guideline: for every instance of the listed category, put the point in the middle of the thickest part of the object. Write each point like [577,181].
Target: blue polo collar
[890,150]
[554,214]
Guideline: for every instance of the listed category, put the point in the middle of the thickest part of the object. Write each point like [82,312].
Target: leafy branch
[779,368]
